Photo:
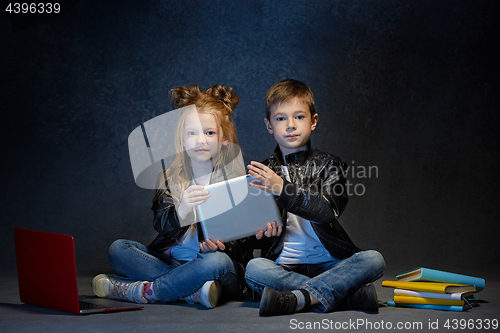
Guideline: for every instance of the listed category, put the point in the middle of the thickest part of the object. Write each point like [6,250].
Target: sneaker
[274,303]
[364,299]
[207,295]
[119,288]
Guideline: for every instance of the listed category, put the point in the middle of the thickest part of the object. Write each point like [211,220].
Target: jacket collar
[298,158]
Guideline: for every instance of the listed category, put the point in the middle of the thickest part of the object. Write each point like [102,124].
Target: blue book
[457,308]
[432,275]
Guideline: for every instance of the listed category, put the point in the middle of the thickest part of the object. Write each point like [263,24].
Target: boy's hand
[271,182]
[272,230]
[193,196]
[209,245]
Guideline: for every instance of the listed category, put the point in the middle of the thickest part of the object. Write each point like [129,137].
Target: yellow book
[400,299]
[431,287]
[404,292]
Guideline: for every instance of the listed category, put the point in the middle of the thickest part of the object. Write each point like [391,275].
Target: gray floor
[235,316]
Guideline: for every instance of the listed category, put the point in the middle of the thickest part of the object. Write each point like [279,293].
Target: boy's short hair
[286,90]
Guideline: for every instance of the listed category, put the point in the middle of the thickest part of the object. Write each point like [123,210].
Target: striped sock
[303,299]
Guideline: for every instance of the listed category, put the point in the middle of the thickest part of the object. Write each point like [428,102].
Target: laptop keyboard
[89,306]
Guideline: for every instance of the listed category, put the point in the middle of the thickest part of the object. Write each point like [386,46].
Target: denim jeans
[328,282]
[172,279]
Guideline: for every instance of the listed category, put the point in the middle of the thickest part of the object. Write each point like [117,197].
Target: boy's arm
[322,201]
[273,230]
[269,181]
[264,238]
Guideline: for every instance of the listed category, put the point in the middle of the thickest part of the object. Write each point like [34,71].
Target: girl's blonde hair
[220,102]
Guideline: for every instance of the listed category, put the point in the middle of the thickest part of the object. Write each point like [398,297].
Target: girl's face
[201,137]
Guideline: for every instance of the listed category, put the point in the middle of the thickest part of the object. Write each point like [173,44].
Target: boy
[310,262]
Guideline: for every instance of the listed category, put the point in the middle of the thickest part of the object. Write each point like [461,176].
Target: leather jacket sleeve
[320,199]
[166,222]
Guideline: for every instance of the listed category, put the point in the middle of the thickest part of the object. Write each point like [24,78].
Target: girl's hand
[272,230]
[271,182]
[209,245]
[193,196]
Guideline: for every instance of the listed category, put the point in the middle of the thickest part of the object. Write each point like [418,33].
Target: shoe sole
[210,294]
[263,302]
[214,294]
[97,288]
[371,299]
[374,307]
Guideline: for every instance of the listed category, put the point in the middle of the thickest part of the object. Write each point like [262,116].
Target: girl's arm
[166,221]
[193,196]
[209,245]
[169,218]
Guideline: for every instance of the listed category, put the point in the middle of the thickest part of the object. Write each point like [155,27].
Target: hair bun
[226,95]
[182,96]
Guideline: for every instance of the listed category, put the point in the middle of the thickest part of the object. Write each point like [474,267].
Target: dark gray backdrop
[408,87]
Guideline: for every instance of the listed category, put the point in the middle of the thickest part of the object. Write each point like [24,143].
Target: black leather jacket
[317,193]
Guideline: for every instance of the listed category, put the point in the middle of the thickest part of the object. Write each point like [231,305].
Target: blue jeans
[172,279]
[328,282]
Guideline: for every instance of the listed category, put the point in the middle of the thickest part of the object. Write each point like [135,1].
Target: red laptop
[46,270]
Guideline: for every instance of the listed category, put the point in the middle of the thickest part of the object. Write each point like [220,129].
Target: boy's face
[291,125]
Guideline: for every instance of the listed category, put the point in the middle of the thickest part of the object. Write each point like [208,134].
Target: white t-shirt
[301,244]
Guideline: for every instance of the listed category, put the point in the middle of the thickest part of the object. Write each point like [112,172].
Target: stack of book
[427,288]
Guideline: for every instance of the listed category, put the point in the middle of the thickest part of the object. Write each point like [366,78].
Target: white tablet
[236,210]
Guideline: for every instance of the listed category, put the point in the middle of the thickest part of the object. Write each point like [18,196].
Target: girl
[180,263]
